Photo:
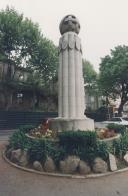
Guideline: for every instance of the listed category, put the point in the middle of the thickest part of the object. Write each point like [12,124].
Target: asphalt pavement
[5,134]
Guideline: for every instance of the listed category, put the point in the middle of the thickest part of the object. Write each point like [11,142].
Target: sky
[104,23]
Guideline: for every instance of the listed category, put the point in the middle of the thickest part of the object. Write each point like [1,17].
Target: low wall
[14,119]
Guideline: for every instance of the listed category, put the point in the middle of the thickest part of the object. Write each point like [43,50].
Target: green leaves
[90,78]
[22,44]
[117,128]
[37,151]
[120,147]
[72,139]
[18,140]
[80,143]
[113,78]
[10,22]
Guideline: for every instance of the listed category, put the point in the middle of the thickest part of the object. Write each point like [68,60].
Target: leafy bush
[120,147]
[86,154]
[79,143]
[102,150]
[75,139]
[26,128]
[82,144]
[56,152]
[89,154]
[19,140]
[37,150]
[117,128]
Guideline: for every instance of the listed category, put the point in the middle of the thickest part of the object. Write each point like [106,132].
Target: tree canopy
[90,77]
[23,44]
[114,75]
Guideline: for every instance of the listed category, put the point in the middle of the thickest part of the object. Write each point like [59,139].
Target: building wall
[6,71]
[92,102]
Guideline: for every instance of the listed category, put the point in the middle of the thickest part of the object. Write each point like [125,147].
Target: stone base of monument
[63,124]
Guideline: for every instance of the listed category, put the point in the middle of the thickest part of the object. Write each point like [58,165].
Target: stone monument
[71,96]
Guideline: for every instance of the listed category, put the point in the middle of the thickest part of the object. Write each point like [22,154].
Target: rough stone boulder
[16,155]
[49,165]
[24,158]
[70,164]
[112,162]
[9,153]
[84,168]
[100,166]
[126,157]
[19,157]
[37,166]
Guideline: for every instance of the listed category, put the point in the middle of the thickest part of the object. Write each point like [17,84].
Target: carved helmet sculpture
[69,23]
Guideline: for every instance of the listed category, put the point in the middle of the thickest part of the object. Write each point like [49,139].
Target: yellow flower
[49,131]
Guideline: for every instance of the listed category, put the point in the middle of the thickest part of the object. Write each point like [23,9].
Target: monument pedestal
[63,124]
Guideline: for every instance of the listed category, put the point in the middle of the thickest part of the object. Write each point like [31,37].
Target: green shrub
[26,128]
[41,148]
[75,139]
[18,140]
[56,152]
[37,150]
[120,147]
[79,143]
[117,128]
[86,154]
[89,154]
[82,144]
[102,150]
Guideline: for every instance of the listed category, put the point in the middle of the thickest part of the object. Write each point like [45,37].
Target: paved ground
[15,182]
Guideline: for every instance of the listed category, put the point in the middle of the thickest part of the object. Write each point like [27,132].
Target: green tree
[46,61]
[18,36]
[22,44]
[90,77]
[114,75]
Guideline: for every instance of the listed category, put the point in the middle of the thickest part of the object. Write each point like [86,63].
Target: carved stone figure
[69,23]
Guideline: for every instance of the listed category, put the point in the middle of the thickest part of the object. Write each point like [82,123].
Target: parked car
[117,120]
[125,118]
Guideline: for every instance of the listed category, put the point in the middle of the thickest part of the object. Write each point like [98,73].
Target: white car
[117,120]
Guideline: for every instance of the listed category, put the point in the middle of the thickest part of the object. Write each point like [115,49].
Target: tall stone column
[71,97]
[71,83]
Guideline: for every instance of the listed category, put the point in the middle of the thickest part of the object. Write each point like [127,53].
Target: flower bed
[74,152]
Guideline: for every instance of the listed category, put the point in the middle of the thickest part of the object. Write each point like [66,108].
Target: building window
[19,98]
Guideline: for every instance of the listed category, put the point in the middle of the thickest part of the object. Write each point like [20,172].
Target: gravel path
[15,182]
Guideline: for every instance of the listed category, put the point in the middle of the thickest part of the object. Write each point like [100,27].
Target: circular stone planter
[34,138]
[56,173]
[55,141]
[63,175]
[109,141]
